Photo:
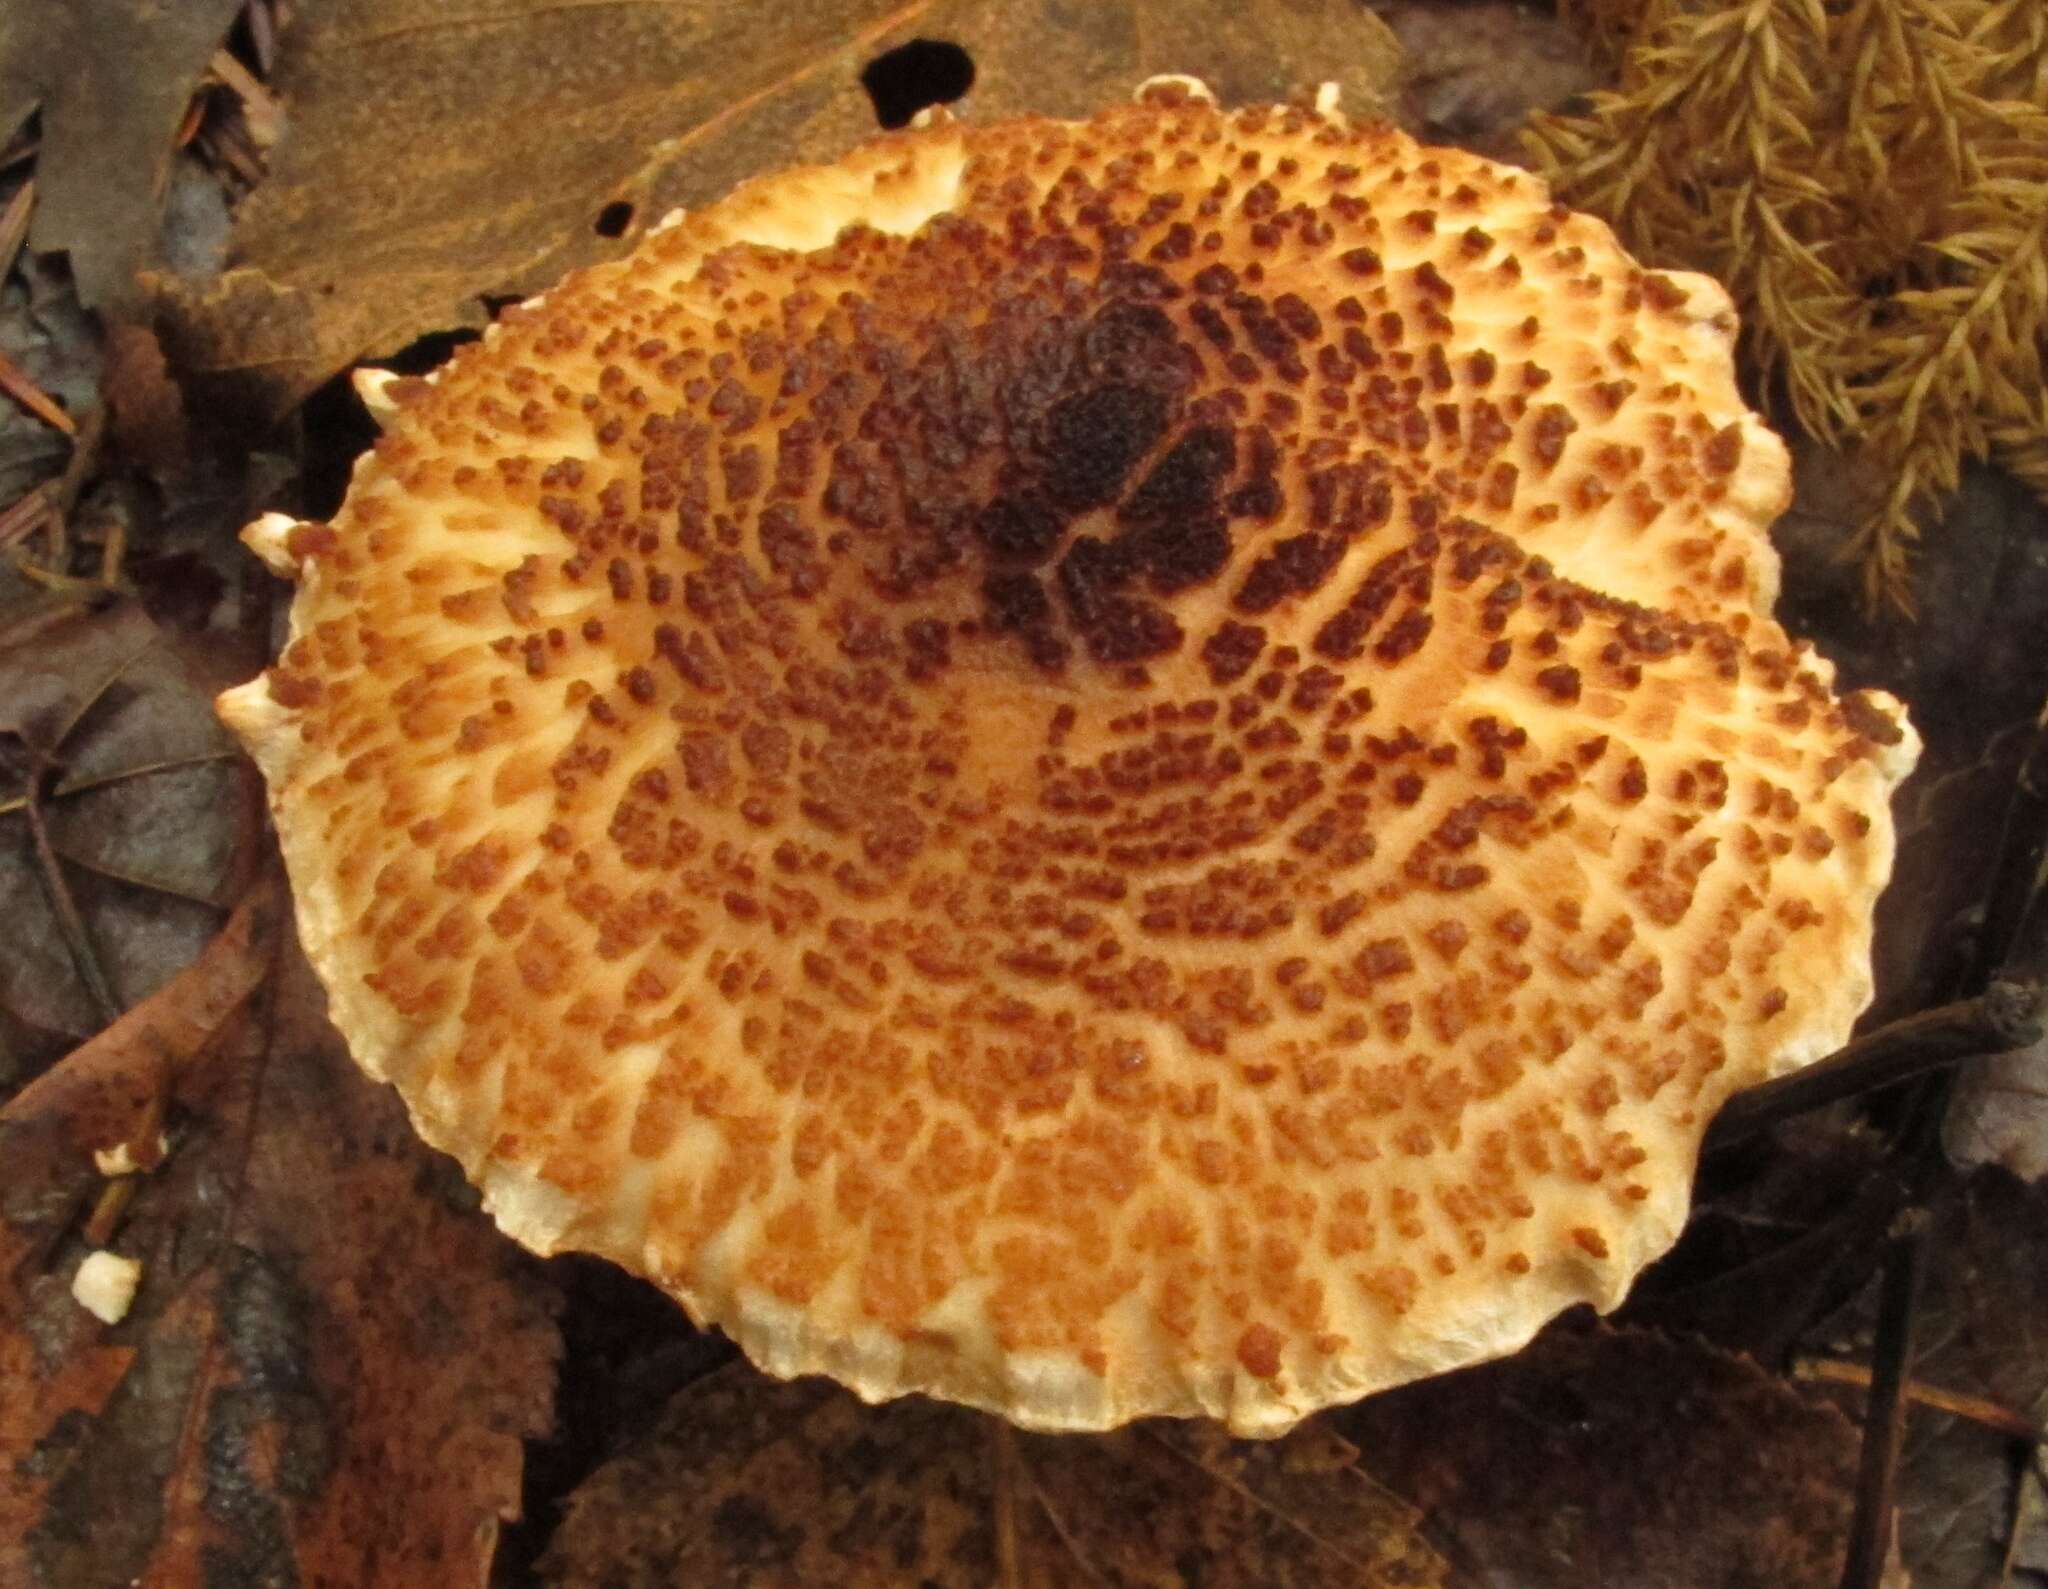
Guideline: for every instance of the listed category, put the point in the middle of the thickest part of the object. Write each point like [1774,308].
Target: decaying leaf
[749,1481]
[1999,1114]
[385,217]
[138,791]
[1473,73]
[1623,1458]
[112,79]
[332,1360]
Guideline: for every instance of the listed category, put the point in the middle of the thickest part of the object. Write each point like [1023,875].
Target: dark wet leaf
[112,79]
[142,808]
[1623,1458]
[385,217]
[748,1481]
[332,1360]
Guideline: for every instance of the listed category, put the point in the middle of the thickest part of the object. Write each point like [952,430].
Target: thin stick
[23,517]
[91,430]
[259,106]
[69,922]
[1009,1565]
[1978,1409]
[84,453]
[2004,1016]
[1884,1422]
[14,381]
[105,1218]
[188,128]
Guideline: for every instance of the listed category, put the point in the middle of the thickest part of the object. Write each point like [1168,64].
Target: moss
[1870,180]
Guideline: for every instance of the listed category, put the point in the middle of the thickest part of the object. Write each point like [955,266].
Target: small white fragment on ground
[120,1159]
[105,1285]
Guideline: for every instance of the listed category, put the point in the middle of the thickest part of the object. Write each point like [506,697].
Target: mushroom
[1103,769]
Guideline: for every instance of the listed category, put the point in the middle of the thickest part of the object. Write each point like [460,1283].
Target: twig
[92,429]
[1978,1409]
[25,515]
[1008,1477]
[2006,1015]
[105,1218]
[227,145]
[72,587]
[14,381]
[69,922]
[1870,1529]
[61,495]
[260,108]
[188,126]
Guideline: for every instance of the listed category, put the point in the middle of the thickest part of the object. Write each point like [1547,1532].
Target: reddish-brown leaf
[332,1361]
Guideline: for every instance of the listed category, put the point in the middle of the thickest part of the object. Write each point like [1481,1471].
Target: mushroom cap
[1103,769]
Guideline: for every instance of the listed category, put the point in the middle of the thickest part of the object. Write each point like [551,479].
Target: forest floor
[335,1370]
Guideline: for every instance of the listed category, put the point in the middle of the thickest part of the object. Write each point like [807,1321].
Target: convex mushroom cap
[1101,768]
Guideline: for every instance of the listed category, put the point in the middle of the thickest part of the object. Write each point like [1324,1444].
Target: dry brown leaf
[386,215]
[1617,1457]
[112,79]
[749,1481]
[332,1359]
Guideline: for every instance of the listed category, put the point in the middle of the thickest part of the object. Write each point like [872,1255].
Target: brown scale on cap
[1104,769]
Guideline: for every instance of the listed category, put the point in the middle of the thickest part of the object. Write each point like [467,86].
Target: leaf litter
[333,1359]
[366,231]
